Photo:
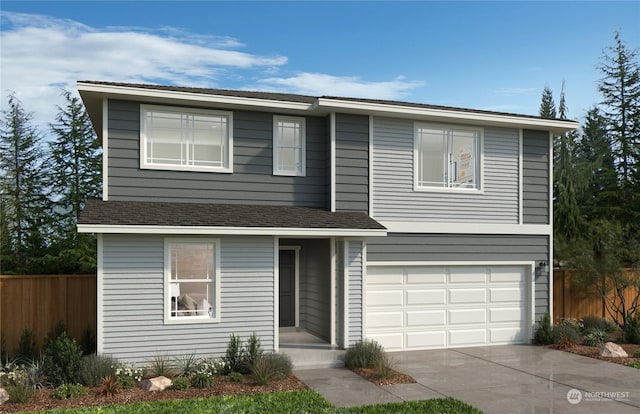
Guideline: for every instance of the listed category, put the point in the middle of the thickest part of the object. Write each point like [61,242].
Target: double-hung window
[447,157]
[289,146]
[191,280]
[185,139]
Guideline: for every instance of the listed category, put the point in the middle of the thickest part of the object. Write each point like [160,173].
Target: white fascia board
[114,91]
[240,231]
[465,228]
[528,263]
[450,115]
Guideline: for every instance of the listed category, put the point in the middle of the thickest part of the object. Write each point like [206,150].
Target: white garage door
[422,307]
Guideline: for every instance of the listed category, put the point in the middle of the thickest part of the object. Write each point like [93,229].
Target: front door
[287,287]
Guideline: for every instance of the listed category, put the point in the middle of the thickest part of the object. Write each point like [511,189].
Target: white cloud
[42,55]
[350,86]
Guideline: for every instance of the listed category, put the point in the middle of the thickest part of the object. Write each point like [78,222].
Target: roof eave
[235,231]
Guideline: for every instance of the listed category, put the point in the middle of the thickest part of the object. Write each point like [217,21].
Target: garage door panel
[427,319]
[426,275]
[463,337]
[467,316]
[385,298]
[499,295]
[426,297]
[422,307]
[467,296]
[421,340]
[385,320]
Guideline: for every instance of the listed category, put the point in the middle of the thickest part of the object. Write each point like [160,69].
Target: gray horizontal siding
[535,174]
[394,197]
[352,163]
[355,301]
[133,304]
[462,248]
[252,180]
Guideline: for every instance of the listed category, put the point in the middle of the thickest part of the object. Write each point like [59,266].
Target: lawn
[304,401]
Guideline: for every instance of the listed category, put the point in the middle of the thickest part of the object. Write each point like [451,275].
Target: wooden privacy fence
[39,302]
[568,302]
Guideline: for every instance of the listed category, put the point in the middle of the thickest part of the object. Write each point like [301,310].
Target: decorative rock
[155,384]
[4,396]
[613,351]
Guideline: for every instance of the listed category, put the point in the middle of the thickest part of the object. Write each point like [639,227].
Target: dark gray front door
[287,287]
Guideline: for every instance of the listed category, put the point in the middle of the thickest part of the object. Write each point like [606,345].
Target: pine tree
[547,104]
[75,176]
[24,202]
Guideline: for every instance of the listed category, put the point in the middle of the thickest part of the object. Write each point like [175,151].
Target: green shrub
[384,366]
[20,392]
[27,348]
[34,375]
[180,383]
[543,331]
[88,341]
[160,367]
[593,337]
[55,333]
[636,353]
[187,365]
[66,391]
[234,359]
[94,368]
[253,350]
[634,365]
[268,367]
[364,354]
[202,380]
[632,329]
[126,382]
[61,360]
[589,322]
[565,335]
[234,377]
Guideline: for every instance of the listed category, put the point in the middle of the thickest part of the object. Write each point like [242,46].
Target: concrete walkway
[497,379]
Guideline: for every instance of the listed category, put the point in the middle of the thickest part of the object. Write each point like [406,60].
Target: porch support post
[345,290]
[332,256]
[276,294]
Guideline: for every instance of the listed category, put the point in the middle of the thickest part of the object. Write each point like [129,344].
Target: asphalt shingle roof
[143,213]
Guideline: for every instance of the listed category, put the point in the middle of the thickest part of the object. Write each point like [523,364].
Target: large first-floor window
[191,279]
[447,157]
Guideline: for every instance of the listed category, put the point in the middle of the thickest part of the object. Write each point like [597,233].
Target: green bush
[234,377]
[66,391]
[589,322]
[202,380]
[634,365]
[126,382]
[543,331]
[160,367]
[27,348]
[636,353]
[235,359]
[565,335]
[61,360]
[187,364]
[632,329]
[88,341]
[94,368]
[593,337]
[20,392]
[364,354]
[180,383]
[268,367]
[253,350]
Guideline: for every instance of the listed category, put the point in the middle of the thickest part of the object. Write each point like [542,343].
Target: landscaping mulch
[373,376]
[594,352]
[43,399]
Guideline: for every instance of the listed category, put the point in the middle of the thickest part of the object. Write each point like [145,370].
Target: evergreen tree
[75,176]
[24,203]
[547,104]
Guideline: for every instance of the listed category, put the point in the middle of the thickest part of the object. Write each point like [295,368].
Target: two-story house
[227,211]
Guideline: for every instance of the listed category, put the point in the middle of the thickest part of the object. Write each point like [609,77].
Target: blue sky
[483,55]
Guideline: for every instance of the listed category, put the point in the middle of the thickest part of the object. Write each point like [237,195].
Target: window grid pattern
[192,279]
[289,146]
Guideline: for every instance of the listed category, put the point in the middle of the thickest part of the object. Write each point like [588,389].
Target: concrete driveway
[496,379]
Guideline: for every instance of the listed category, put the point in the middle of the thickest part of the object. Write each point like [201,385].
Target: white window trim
[192,111]
[479,167]
[303,144]
[168,320]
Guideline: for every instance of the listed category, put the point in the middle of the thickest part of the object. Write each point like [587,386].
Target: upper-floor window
[186,139]
[447,157]
[288,145]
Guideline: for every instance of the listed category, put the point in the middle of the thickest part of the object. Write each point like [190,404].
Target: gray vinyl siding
[252,180]
[535,177]
[394,198]
[133,292]
[462,248]
[354,266]
[352,163]
[314,285]
[340,277]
